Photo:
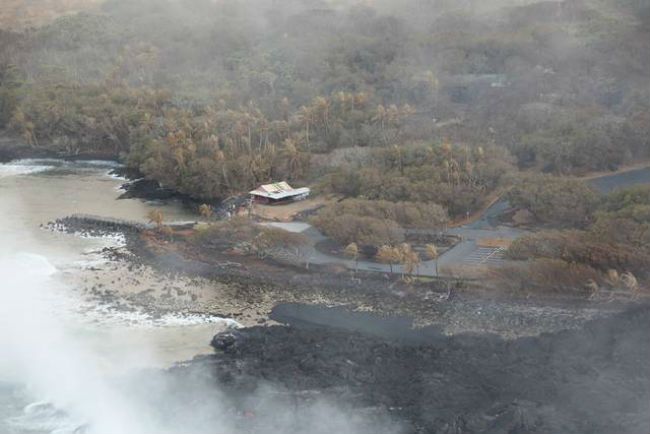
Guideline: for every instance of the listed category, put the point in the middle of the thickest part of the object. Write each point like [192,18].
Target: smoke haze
[74,389]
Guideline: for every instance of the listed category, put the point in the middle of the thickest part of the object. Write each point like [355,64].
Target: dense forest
[434,101]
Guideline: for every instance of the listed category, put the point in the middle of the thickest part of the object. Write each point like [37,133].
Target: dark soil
[593,380]
[148,189]
[139,187]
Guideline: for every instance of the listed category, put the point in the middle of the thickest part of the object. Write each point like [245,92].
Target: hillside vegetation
[438,101]
[21,14]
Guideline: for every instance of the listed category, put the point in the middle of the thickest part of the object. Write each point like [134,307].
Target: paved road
[467,252]
[608,183]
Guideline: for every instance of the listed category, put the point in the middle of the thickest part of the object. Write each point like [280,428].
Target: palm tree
[447,149]
[592,287]
[167,231]
[205,211]
[345,100]
[447,167]
[613,276]
[156,217]
[392,114]
[284,108]
[432,254]
[630,282]
[415,259]
[386,255]
[305,116]
[321,107]
[380,116]
[292,155]
[409,259]
[352,251]
[400,159]
[359,100]
[220,158]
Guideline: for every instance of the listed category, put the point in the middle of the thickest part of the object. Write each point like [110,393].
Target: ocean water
[60,355]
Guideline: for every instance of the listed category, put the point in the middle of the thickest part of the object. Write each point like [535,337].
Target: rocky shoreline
[438,356]
[247,290]
[481,364]
[13,148]
[592,380]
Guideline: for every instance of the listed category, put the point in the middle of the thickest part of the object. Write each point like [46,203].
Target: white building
[278,192]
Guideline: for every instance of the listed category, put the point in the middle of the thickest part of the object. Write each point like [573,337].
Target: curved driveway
[454,256]
[468,248]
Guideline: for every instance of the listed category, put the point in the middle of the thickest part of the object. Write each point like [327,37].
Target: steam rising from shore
[40,353]
[66,378]
[74,390]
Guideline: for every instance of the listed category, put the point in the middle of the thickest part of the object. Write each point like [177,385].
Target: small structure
[277,193]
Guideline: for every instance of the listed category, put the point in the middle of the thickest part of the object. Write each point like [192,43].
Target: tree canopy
[213,97]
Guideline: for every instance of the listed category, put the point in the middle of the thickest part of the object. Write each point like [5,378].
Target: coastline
[14,148]
[247,290]
[471,382]
[480,360]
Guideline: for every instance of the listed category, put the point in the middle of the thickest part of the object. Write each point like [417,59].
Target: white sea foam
[83,362]
[97,163]
[22,167]
[75,393]
[39,349]
[117,177]
[30,166]
[42,416]
[111,314]
[108,240]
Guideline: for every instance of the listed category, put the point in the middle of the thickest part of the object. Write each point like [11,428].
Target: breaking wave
[24,167]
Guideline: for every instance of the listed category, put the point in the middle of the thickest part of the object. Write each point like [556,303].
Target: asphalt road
[467,252]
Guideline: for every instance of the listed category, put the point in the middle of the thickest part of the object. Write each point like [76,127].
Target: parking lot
[485,256]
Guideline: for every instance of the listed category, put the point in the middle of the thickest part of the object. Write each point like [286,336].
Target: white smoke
[73,390]
[43,349]
[40,353]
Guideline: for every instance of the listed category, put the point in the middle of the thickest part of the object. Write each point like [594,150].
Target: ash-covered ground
[595,379]
[332,370]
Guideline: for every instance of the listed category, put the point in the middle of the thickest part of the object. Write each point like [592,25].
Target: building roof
[279,190]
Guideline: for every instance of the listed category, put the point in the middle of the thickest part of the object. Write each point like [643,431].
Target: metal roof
[279,190]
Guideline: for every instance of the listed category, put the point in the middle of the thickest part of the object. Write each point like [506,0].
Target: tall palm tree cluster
[206,152]
[220,151]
